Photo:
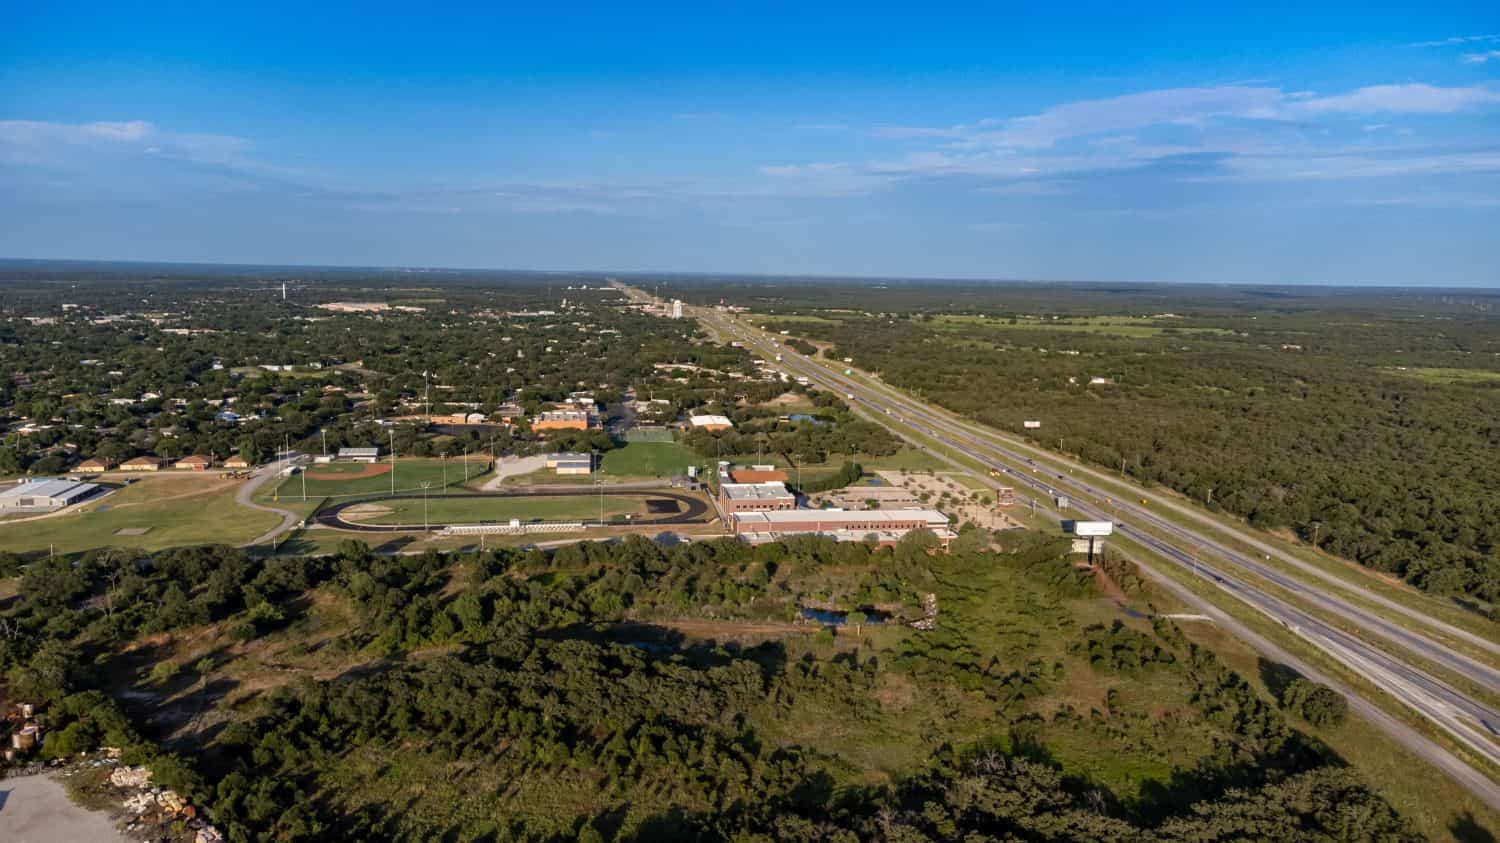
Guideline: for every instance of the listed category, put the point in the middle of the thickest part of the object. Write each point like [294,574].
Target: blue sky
[1283,144]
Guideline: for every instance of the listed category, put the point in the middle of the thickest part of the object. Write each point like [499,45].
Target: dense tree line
[1290,426]
[587,734]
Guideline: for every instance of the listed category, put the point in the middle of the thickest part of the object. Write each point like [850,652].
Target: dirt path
[36,809]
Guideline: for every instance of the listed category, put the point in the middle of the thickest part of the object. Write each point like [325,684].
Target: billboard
[1031,424]
[1093,528]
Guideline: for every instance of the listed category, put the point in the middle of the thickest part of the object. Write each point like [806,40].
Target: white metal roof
[49,487]
[829,518]
[769,490]
[704,421]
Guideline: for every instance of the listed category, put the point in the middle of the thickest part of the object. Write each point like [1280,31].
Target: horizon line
[730,275]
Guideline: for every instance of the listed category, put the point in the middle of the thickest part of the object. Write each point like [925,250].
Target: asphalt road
[1472,722]
[694,510]
[247,491]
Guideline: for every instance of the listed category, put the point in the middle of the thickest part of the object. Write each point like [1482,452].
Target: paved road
[694,510]
[249,487]
[1468,720]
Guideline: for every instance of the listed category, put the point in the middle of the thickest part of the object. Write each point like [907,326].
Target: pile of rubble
[929,613]
[155,806]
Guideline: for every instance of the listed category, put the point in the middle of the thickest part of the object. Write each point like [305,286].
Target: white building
[359,454]
[676,308]
[45,494]
[571,463]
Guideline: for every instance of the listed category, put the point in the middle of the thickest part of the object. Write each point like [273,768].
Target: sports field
[342,479]
[650,459]
[648,434]
[582,507]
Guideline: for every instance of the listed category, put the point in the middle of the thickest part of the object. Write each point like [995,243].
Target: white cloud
[1415,98]
[37,141]
[1458,40]
[1481,58]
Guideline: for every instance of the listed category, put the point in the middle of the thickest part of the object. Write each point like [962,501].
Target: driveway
[249,488]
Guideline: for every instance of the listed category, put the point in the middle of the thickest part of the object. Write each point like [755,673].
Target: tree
[250,450]
[856,619]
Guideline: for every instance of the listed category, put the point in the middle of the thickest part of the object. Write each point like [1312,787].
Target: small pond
[832,618]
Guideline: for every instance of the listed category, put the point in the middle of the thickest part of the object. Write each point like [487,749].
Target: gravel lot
[36,809]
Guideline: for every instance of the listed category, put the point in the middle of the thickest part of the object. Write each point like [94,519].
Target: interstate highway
[1470,721]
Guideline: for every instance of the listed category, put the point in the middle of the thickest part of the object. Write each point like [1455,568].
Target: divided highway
[1472,722]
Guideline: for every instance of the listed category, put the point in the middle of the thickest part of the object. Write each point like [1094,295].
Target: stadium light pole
[425,485]
[445,469]
[393,460]
[323,432]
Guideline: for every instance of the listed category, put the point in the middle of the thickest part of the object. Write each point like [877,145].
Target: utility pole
[601,502]
[324,433]
[393,460]
[466,463]
[304,485]
[425,485]
[445,469]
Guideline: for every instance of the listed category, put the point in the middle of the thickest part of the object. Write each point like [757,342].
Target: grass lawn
[650,459]
[344,479]
[471,510]
[1442,375]
[171,512]
[908,458]
[1119,326]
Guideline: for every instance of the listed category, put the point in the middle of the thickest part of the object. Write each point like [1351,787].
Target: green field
[172,512]
[650,459]
[1119,326]
[1437,374]
[655,435]
[410,475]
[582,507]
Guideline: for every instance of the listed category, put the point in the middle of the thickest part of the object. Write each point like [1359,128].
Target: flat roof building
[887,526]
[755,497]
[711,422]
[45,494]
[571,463]
[565,420]
[359,454]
